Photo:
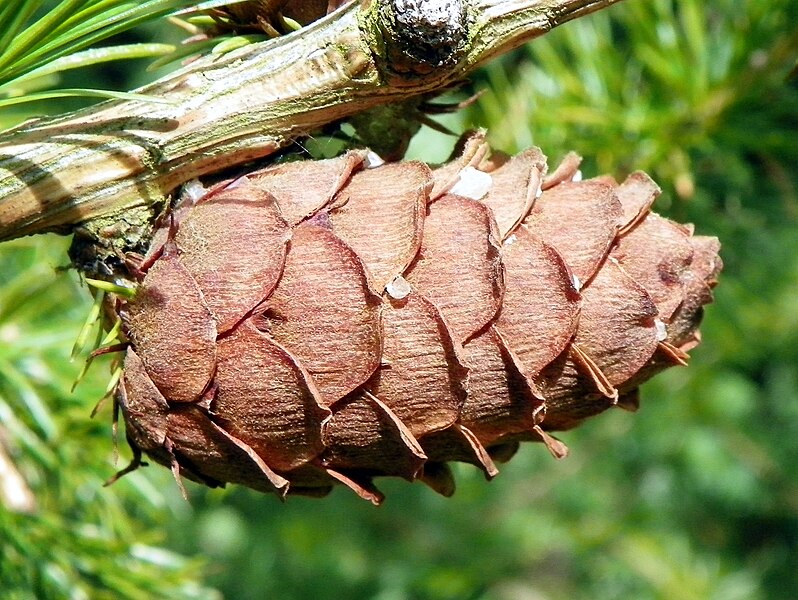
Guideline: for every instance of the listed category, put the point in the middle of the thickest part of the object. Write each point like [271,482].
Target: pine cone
[330,321]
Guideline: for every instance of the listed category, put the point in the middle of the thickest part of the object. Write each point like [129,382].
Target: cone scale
[322,323]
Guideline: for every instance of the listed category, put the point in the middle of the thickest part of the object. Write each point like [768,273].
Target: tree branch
[221,111]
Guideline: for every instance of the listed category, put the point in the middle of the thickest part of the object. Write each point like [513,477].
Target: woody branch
[119,157]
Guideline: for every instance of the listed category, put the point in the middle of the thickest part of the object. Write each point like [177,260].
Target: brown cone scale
[324,323]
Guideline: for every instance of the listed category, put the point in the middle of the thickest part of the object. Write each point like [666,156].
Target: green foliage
[75,539]
[693,497]
[673,88]
[39,39]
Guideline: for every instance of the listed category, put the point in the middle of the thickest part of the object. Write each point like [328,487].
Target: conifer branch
[217,112]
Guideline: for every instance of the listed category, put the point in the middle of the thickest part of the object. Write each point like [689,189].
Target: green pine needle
[80,93]
[113,334]
[114,288]
[110,339]
[234,43]
[91,321]
[40,39]
[28,81]
[184,51]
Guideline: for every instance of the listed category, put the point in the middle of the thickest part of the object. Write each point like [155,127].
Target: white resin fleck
[662,331]
[398,288]
[194,190]
[373,160]
[472,183]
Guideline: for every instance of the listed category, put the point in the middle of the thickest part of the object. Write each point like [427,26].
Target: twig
[222,111]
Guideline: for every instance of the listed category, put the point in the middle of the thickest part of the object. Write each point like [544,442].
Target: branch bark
[221,111]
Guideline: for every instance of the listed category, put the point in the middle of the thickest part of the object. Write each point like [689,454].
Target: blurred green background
[695,496]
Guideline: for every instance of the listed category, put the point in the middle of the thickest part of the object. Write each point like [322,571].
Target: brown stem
[222,111]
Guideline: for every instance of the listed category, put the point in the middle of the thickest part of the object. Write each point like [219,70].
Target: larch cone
[328,322]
